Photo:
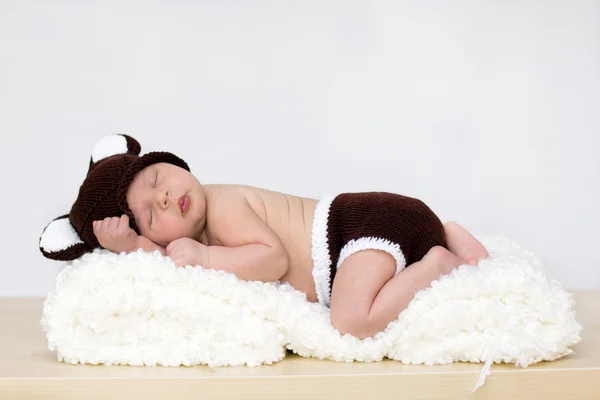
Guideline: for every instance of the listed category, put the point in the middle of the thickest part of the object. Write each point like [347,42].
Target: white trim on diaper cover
[320,251]
[373,243]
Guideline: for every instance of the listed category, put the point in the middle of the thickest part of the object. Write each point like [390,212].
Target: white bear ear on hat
[112,145]
[60,241]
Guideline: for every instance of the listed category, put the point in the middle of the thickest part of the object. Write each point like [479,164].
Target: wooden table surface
[29,370]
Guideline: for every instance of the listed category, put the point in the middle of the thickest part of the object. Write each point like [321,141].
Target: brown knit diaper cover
[350,222]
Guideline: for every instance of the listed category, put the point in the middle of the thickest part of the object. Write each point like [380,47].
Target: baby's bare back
[290,218]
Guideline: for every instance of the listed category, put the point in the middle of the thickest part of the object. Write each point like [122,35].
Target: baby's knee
[355,325]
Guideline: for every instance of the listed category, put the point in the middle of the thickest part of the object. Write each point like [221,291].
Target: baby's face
[168,203]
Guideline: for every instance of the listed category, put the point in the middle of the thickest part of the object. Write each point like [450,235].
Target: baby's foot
[442,259]
[463,244]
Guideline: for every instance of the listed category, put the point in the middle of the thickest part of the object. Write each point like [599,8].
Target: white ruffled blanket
[139,309]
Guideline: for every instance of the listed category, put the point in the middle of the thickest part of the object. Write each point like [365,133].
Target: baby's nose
[165,197]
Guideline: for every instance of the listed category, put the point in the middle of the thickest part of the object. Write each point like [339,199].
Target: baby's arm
[148,245]
[251,250]
[116,235]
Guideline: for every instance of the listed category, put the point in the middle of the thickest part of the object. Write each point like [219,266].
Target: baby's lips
[184,203]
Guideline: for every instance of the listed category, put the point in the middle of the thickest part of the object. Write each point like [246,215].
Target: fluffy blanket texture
[139,309]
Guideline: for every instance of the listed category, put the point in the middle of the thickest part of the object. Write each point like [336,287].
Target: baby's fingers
[179,260]
[105,224]
[96,227]
[113,223]
[123,223]
[174,253]
[170,248]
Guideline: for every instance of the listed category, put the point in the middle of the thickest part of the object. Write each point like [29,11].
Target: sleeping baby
[350,252]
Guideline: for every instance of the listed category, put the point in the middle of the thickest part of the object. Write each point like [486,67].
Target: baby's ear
[112,145]
[59,241]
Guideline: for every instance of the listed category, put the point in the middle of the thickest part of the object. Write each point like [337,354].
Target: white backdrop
[488,111]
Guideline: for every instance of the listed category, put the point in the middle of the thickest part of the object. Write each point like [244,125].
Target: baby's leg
[462,244]
[366,296]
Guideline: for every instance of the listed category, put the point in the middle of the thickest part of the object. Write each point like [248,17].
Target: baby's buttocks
[347,223]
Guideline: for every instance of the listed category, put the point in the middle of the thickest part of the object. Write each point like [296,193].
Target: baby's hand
[115,234]
[186,251]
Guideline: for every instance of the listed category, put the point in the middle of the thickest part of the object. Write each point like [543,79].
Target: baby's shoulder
[223,199]
[229,193]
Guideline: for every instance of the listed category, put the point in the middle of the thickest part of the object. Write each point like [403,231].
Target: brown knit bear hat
[113,165]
